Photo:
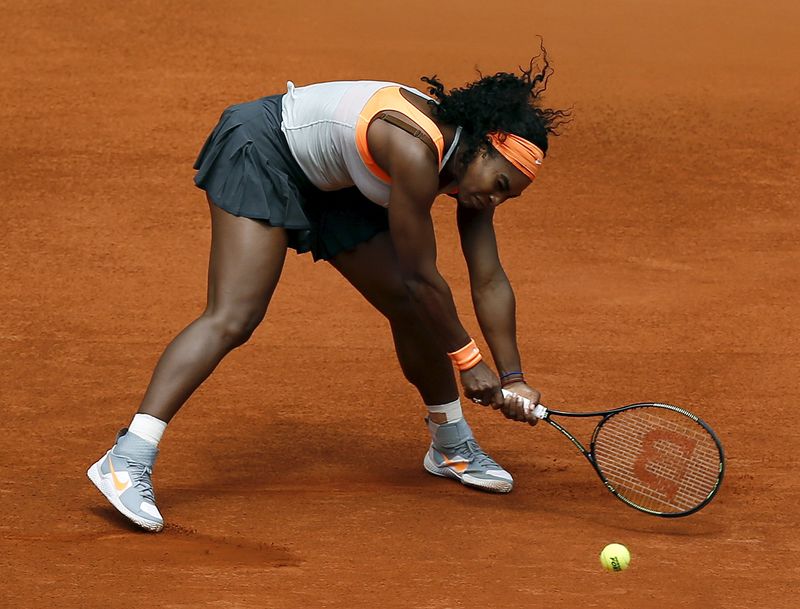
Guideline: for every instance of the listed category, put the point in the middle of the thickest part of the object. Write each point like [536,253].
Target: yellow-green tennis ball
[615,557]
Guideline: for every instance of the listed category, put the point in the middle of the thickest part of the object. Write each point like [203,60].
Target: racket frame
[543,413]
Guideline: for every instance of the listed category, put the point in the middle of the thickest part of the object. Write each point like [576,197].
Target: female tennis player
[349,171]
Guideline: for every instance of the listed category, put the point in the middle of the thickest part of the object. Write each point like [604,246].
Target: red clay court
[655,259]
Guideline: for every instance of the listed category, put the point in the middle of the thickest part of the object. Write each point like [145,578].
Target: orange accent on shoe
[120,486]
[459,466]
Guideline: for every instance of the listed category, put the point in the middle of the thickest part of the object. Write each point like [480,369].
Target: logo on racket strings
[663,461]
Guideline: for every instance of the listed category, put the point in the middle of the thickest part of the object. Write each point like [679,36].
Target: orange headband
[522,154]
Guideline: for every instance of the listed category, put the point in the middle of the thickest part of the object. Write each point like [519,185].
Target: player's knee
[234,328]
[398,306]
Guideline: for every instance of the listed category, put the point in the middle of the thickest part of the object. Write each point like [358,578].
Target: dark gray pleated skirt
[247,169]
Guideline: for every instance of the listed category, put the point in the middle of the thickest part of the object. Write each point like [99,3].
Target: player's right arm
[414,187]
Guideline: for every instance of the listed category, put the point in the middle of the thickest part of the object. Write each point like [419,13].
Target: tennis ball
[615,557]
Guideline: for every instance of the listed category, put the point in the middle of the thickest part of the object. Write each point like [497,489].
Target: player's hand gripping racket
[657,458]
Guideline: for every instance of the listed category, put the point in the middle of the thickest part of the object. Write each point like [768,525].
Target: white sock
[148,428]
[452,410]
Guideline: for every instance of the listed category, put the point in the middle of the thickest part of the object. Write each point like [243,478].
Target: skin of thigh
[372,268]
[245,265]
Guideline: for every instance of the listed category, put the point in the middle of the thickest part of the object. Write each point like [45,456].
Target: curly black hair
[503,102]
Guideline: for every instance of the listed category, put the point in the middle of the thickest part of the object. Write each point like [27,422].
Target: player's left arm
[494,301]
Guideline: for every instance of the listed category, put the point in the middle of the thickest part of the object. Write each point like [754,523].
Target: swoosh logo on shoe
[459,466]
[119,484]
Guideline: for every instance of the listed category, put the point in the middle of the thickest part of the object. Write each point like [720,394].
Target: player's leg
[244,267]
[245,264]
[373,269]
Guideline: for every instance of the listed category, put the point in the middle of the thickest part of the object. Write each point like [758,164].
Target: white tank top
[319,122]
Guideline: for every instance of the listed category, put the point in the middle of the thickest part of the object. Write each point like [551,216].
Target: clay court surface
[655,259]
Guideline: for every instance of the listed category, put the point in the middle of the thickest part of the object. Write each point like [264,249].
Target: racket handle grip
[539,411]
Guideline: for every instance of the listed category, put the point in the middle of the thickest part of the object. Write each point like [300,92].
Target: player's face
[489,180]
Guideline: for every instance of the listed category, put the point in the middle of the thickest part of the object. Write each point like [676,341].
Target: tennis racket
[656,458]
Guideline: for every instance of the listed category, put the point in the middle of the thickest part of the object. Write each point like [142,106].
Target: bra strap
[415,131]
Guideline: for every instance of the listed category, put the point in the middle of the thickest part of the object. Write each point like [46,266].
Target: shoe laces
[471,450]
[140,474]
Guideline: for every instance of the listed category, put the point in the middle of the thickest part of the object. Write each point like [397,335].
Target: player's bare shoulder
[401,154]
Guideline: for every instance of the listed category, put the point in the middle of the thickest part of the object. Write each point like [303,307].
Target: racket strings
[658,459]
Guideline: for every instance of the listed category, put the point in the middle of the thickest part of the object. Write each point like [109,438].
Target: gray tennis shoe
[123,476]
[454,453]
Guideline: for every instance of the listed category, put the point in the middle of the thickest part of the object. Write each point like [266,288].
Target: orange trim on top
[390,98]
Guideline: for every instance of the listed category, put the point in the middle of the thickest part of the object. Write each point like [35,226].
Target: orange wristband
[467,356]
